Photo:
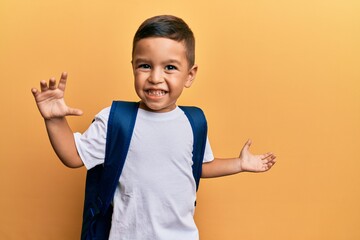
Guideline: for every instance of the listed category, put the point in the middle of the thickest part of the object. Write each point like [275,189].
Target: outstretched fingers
[52,83]
[62,82]
[34,92]
[268,160]
[266,155]
[43,86]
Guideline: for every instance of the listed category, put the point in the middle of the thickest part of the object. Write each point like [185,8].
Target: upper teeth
[156,92]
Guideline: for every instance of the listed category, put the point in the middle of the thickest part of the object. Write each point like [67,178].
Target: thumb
[74,112]
[247,145]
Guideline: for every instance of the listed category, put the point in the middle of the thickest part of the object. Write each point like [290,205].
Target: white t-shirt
[155,196]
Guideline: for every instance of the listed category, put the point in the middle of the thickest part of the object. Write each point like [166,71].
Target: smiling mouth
[156,93]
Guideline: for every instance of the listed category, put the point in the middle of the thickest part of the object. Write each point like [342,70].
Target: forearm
[221,167]
[63,142]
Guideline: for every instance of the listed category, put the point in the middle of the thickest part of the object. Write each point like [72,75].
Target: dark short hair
[171,27]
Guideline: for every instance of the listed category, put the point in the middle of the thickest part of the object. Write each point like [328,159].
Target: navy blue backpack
[101,181]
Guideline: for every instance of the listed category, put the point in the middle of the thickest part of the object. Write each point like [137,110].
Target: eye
[144,66]
[170,67]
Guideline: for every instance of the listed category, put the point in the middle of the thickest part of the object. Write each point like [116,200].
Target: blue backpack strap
[120,128]
[101,181]
[199,127]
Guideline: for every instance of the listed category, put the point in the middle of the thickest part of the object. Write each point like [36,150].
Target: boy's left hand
[255,163]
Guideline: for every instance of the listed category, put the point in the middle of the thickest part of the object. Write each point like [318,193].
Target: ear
[191,76]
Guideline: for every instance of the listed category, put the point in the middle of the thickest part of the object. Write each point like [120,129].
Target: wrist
[239,165]
[54,120]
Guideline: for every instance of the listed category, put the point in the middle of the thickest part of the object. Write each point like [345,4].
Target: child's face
[161,72]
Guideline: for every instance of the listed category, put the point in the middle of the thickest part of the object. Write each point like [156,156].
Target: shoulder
[103,115]
[193,112]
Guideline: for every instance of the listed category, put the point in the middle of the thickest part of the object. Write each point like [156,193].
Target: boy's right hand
[50,100]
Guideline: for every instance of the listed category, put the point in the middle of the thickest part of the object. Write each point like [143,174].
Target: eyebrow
[137,60]
[173,61]
[169,61]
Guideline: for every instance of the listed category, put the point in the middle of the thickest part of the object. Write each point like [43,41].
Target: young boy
[155,195]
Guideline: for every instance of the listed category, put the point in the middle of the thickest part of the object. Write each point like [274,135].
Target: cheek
[179,81]
[176,87]
[137,82]
[136,74]
[139,77]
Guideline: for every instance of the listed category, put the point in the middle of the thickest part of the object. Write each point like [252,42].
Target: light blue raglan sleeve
[91,144]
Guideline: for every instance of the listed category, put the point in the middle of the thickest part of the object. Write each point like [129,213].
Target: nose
[156,76]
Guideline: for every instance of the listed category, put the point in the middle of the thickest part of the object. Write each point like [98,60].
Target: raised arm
[246,162]
[51,104]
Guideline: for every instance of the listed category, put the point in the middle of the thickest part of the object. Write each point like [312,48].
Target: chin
[157,107]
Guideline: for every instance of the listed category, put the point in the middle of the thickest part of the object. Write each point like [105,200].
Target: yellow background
[283,73]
